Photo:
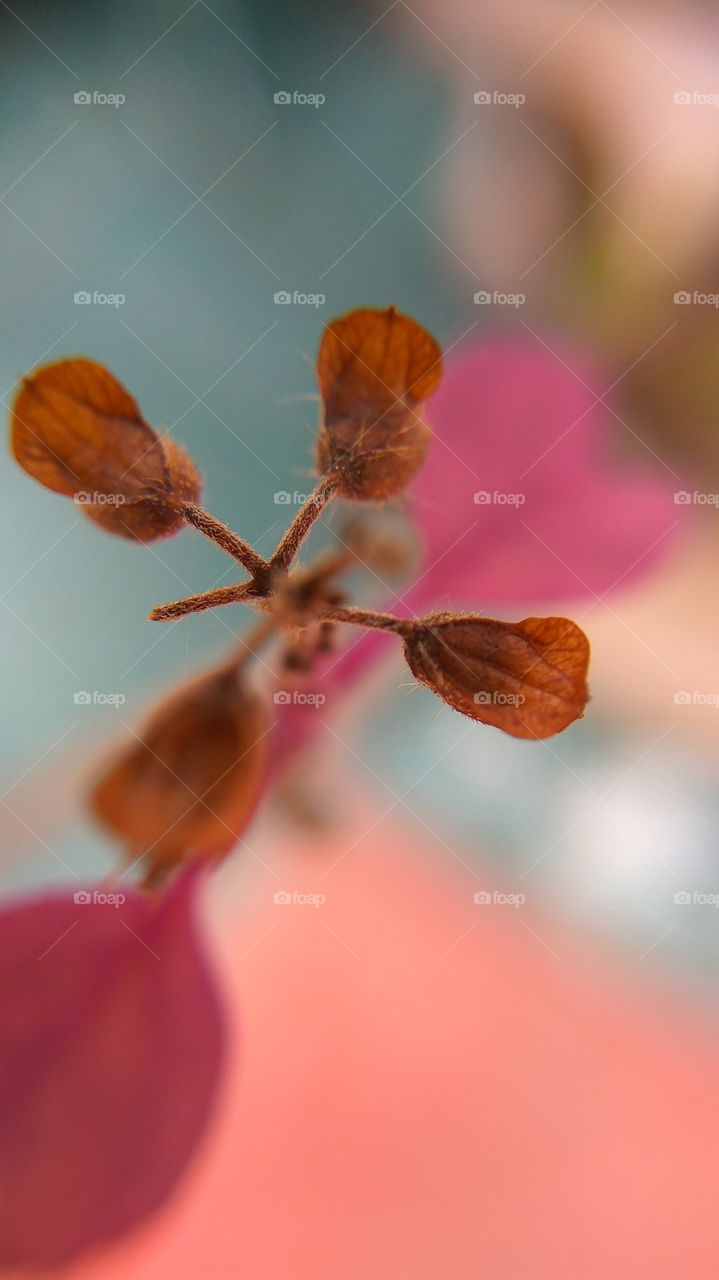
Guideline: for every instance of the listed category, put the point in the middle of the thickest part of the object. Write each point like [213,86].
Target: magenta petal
[112,1044]
[511,419]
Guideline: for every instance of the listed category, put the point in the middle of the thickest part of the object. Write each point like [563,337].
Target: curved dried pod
[189,782]
[374,369]
[76,430]
[528,678]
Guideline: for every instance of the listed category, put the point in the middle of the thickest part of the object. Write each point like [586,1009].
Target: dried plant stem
[235,593]
[292,540]
[230,542]
[367,618]
[325,566]
[341,613]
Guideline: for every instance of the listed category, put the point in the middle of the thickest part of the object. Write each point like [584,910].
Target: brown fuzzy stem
[230,542]
[344,613]
[292,540]
[236,593]
[368,618]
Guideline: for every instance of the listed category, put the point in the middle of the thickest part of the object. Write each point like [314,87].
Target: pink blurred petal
[112,1040]
[510,418]
[436,1090]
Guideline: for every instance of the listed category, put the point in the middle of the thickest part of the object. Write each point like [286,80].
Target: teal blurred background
[199,308]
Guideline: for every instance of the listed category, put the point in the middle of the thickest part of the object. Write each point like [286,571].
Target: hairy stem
[233,594]
[342,613]
[230,542]
[367,618]
[292,540]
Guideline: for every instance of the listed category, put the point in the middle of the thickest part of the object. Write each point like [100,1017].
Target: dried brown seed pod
[190,782]
[374,368]
[76,430]
[528,678]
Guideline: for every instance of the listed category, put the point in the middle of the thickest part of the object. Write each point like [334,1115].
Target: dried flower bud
[528,678]
[77,431]
[190,784]
[374,368]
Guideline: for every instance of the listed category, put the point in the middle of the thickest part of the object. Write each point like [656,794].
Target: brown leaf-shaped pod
[151,518]
[76,430]
[374,368]
[190,781]
[528,678]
